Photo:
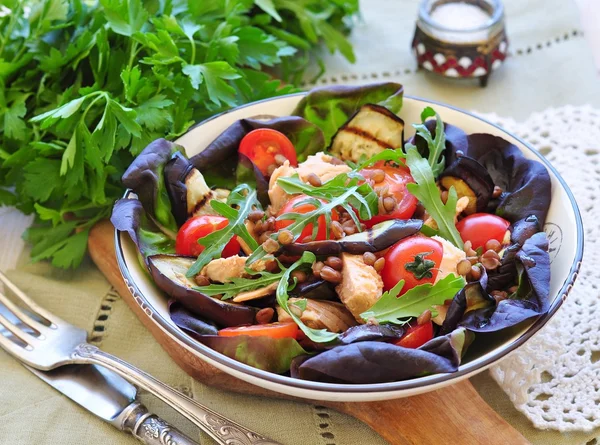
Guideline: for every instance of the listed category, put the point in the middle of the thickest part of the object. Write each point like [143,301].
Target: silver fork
[49,342]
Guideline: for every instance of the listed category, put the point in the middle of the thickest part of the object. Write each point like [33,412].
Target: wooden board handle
[452,415]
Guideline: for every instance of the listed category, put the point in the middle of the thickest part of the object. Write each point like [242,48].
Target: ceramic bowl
[563,226]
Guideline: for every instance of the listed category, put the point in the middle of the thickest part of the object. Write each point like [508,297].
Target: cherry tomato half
[479,228]
[395,180]
[416,336]
[261,146]
[273,330]
[306,235]
[198,227]
[415,260]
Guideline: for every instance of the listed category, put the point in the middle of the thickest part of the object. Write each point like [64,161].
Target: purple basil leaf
[129,216]
[525,183]
[371,332]
[189,323]
[534,262]
[379,362]
[145,176]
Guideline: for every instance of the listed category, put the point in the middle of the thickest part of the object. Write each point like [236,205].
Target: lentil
[425,317]
[494,245]
[201,280]
[379,264]
[314,180]
[265,315]
[463,267]
[444,196]
[369,258]
[316,268]
[389,204]
[337,230]
[334,262]
[331,275]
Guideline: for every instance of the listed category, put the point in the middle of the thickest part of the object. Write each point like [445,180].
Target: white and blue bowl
[564,228]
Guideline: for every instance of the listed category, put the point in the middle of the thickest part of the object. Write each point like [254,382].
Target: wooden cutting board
[452,415]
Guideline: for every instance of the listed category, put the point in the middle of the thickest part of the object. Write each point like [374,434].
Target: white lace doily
[554,379]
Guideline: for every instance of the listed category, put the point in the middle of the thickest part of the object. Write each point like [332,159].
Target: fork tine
[13,348]
[21,315]
[17,332]
[30,304]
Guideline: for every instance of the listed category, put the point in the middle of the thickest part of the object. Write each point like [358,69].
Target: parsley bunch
[85,85]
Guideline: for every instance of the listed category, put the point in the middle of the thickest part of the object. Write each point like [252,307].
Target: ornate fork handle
[220,428]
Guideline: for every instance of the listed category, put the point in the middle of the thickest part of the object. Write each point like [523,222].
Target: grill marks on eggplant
[370,130]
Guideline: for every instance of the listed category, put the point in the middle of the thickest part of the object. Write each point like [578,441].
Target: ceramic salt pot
[461,39]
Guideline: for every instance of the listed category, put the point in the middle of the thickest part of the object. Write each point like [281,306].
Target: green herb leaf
[391,309]
[316,335]
[426,191]
[216,241]
[239,285]
[347,190]
[436,145]
[86,85]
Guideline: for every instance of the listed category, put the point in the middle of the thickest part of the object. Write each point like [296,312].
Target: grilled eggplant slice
[379,237]
[470,179]
[168,272]
[188,192]
[370,130]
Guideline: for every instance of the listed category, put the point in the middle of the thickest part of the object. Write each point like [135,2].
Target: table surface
[550,65]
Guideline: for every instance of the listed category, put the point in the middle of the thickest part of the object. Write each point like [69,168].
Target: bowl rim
[434,380]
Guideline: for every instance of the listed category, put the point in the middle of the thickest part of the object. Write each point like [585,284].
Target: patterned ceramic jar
[467,47]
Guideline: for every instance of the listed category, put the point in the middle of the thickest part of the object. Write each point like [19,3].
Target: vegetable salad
[325,246]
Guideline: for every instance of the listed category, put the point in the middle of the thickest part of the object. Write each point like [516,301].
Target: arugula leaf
[347,190]
[316,335]
[436,145]
[426,191]
[239,285]
[391,309]
[396,156]
[216,241]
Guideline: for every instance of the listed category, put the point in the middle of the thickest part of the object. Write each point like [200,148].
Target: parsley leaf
[391,309]
[85,86]
[426,191]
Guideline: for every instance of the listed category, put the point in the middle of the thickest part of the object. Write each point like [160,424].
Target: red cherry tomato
[198,227]
[405,252]
[479,228]
[261,146]
[395,180]
[416,336]
[306,235]
[273,330]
